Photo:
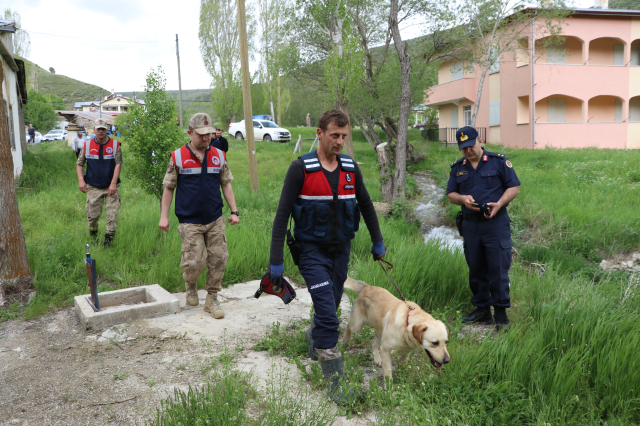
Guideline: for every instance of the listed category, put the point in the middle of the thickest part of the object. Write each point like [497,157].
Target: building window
[618,54]
[634,110]
[556,110]
[454,118]
[494,113]
[522,115]
[635,55]
[618,111]
[457,71]
[557,53]
[495,67]
[467,115]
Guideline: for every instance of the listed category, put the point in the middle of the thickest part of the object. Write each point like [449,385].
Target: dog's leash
[390,265]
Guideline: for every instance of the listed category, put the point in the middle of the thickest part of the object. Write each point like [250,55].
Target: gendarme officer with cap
[484,183]
[103,157]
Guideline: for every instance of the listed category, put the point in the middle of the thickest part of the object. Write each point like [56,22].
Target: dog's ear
[417,330]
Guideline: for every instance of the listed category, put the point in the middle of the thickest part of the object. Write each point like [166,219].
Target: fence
[447,135]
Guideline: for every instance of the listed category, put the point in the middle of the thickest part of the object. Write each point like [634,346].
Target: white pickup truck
[262,130]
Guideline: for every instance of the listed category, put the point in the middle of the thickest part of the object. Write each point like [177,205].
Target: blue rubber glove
[378,250]
[275,274]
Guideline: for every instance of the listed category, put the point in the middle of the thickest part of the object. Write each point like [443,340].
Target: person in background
[215,142]
[32,134]
[101,182]
[308,120]
[224,143]
[78,143]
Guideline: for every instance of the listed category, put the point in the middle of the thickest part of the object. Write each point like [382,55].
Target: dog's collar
[411,308]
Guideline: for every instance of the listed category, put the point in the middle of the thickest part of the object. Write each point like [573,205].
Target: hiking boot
[313,353]
[502,321]
[107,240]
[192,294]
[479,316]
[93,233]
[337,389]
[212,306]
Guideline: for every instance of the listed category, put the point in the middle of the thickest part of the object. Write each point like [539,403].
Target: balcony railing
[447,135]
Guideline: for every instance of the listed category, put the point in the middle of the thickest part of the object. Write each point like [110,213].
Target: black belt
[481,218]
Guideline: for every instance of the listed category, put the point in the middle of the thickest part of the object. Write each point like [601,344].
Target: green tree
[625,4]
[497,29]
[39,112]
[21,39]
[151,134]
[56,101]
[220,49]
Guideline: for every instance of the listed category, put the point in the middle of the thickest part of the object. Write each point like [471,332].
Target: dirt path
[55,373]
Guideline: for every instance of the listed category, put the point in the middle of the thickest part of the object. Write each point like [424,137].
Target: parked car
[38,137]
[55,135]
[262,130]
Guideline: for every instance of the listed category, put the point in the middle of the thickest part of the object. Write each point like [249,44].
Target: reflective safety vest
[198,198]
[320,216]
[101,162]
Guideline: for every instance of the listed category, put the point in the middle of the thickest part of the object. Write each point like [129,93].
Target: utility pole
[246,98]
[179,82]
[278,61]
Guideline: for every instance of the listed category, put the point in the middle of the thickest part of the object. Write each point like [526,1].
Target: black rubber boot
[479,316]
[313,354]
[337,389]
[502,321]
[94,235]
[107,240]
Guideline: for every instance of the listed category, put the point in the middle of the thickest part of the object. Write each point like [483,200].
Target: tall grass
[575,207]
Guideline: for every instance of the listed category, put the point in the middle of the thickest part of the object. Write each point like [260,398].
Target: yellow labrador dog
[397,327]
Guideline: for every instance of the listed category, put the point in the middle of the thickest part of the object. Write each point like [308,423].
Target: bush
[151,134]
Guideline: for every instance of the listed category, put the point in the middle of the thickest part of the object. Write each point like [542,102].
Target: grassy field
[576,206]
[570,357]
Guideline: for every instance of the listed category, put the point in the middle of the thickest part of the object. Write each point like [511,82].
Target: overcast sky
[114,44]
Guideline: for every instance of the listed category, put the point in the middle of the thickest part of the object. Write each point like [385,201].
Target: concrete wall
[10,96]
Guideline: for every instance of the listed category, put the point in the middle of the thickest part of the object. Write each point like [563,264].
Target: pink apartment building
[587,89]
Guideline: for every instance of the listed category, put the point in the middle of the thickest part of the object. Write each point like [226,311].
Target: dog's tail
[354,285]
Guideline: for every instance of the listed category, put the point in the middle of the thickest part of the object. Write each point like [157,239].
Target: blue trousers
[325,274]
[487,249]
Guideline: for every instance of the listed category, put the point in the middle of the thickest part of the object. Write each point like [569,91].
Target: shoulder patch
[457,161]
[508,163]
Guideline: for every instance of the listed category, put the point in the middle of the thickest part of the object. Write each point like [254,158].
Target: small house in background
[14,94]
[583,92]
[113,104]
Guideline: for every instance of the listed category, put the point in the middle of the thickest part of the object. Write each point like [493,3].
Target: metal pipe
[533,82]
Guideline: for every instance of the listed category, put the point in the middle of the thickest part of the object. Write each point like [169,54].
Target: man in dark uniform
[484,183]
[224,143]
[325,193]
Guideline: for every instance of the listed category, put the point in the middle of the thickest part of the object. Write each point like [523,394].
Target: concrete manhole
[120,306]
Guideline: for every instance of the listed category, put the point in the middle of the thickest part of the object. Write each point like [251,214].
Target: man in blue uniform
[484,183]
[325,194]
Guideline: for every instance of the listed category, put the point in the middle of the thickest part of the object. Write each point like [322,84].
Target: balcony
[452,92]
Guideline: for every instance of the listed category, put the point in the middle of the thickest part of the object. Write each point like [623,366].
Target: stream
[430,212]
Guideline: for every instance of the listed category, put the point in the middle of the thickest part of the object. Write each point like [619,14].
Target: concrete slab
[126,305]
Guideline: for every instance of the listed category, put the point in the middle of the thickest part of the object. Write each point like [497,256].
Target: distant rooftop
[8,25]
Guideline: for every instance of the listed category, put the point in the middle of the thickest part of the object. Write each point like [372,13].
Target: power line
[106,41]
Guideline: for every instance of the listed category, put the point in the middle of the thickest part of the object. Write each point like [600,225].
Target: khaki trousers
[204,245]
[95,200]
